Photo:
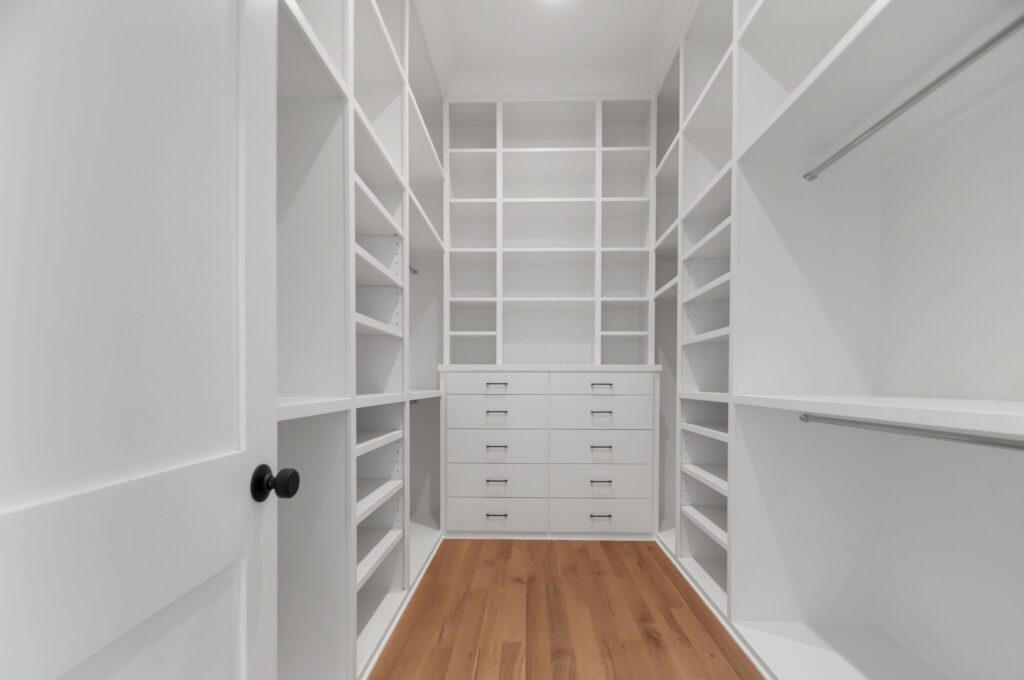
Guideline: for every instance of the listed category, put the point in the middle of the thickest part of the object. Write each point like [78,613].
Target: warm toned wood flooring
[557,610]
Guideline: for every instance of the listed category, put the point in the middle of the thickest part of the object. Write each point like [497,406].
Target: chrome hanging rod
[915,98]
[927,433]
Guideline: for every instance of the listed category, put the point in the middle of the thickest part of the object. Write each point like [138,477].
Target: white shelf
[625,334]
[715,244]
[371,440]
[711,519]
[798,651]
[996,418]
[370,272]
[423,236]
[715,477]
[376,625]
[718,397]
[668,291]
[372,217]
[709,575]
[714,198]
[373,493]
[372,547]
[304,67]
[366,325]
[660,169]
[718,335]
[714,430]
[424,537]
[291,408]
[548,299]
[718,289]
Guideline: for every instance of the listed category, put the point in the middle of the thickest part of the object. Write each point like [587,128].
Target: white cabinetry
[550,452]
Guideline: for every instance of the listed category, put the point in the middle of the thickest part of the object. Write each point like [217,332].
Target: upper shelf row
[529,125]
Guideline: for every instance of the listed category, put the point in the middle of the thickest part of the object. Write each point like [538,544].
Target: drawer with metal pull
[601,446]
[602,383]
[497,446]
[577,412]
[497,383]
[478,411]
[498,515]
[487,480]
[601,516]
[601,481]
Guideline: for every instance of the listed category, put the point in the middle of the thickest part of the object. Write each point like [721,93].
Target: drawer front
[478,411]
[602,383]
[601,481]
[604,516]
[601,446]
[497,514]
[579,412]
[497,383]
[497,446]
[495,480]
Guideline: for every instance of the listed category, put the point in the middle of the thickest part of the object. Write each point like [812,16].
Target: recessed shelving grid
[549,218]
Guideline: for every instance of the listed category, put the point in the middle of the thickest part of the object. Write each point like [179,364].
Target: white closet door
[136,355]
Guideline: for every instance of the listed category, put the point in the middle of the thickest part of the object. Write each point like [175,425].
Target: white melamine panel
[473,274]
[378,80]
[473,126]
[474,350]
[548,274]
[473,175]
[497,515]
[602,383]
[624,316]
[626,123]
[497,383]
[601,481]
[497,446]
[601,446]
[707,39]
[625,224]
[473,225]
[668,110]
[602,412]
[474,411]
[497,480]
[545,332]
[600,516]
[549,174]
[625,172]
[473,317]
[549,124]
[548,224]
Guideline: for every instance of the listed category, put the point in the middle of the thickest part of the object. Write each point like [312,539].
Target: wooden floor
[558,610]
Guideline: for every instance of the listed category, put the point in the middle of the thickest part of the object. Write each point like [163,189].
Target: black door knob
[285,484]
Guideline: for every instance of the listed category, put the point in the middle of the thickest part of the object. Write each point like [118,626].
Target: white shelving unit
[857,297]
[360,315]
[549,228]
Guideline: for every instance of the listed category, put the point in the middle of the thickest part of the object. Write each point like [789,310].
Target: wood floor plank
[558,610]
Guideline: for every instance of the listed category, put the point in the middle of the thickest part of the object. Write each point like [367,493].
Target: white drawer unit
[600,481]
[478,411]
[498,383]
[579,412]
[628,447]
[565,452]
[497,480]
[498,446]
[498,515]
[602,383]
[600,516]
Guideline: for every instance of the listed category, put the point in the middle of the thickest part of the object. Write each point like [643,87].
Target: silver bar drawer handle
[600,481]
[592,516]
[596,384]
[496,514]
[505,412]
[496,481]
[600,447]
[598,413]
[494,384]
[500,447]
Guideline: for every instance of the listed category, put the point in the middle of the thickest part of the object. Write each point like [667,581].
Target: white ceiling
[476,40]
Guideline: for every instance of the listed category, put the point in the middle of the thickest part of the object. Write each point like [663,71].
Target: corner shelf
[373,493]
[715,477]
[711,519]
[714,431]
[371,440]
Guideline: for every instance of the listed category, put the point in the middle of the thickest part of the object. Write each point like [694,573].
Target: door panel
[136,359]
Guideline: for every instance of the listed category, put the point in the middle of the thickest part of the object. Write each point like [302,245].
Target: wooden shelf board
[717,335]
[715,477]
[373,493]
[717,431]
[370,272]
[374,545]
[371,440]
[711,519]
[366,325]
[712,291]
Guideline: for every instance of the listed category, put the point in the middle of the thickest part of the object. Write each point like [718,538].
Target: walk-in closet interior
[739,282]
